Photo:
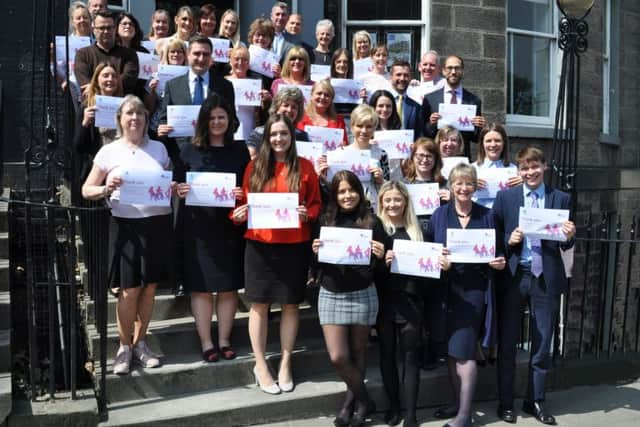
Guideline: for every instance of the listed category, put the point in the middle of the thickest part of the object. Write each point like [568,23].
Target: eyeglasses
[452,68]
[422,156]
[126,23]
[104,28]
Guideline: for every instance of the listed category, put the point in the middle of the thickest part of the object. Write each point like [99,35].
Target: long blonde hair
[409,219]
[235,39]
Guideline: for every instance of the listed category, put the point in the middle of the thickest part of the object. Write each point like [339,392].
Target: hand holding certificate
[543,224]
[220,49]
[496,179]
[330,137]
[356,161]
[273,210]
[362,67]
[247,91]
[167,72]
[477,246]
[349,246]
[262,60]
[183,119]
[425,197]
[347,91]
[457,115]
[145,187]
[416,258]
[320,72]
[106,108]
[397,143]
[148,64]
[311,151]
[211,189]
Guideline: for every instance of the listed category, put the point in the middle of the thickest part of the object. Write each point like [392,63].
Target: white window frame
[555,60]
[424,23]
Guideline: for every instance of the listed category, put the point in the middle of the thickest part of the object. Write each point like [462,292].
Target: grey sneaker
[144,356]
[123,360]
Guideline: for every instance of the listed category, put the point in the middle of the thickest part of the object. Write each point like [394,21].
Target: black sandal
[211,355]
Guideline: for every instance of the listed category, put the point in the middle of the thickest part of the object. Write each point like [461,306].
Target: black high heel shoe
[360,417]
[392,417]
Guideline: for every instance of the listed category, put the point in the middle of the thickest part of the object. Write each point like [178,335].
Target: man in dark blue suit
[452,93]
[409,110]
[535,275]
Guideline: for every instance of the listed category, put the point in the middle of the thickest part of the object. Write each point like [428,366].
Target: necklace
[463,215]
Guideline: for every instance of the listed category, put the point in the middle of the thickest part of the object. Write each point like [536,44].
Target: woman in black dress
[470,292]
[213,244]
[348,302]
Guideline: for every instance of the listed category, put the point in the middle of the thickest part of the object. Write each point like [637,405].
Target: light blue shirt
[487,202]
[525,256]
[192,83]
[448,95]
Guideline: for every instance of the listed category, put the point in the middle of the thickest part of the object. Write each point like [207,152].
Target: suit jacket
[412,117]
[506,210]
[431,103]
[177,93]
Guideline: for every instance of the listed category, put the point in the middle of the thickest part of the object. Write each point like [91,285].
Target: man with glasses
[452,93]
[104,49]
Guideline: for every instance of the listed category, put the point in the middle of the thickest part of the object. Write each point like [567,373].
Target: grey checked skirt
[348,308]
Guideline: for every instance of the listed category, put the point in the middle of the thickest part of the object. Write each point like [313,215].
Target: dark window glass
[384,9]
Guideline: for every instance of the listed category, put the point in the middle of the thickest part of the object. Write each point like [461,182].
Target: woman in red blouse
[276,260]
[321,111]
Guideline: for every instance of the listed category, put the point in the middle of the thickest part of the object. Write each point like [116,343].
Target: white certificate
[543,224]
[425,197]
[247,91]
[320,72]
[106,109]
[311,151]
[148,65]
[261,60]
[167,72]
[220,49]
[449,163]
[416,258]
[211,189]
[356,161]
[273,210]
[347,91]
[145,187]
[418,92]
[75,43]
[397,143]
[150,45]
[457,115]
[476,246]
[183,119]
[305,89]
[331,138]
[362,67]
[496,178]
[341,245]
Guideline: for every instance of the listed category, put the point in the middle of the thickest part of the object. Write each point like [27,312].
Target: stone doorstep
[61,411]
[172,335]
[187,373]
[320,395]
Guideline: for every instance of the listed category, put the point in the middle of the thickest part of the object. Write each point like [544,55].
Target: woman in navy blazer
[470,297]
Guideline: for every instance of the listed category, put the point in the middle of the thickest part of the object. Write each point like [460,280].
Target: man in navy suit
[535,275]
[192,89]
[452,93]
[282,40]
[409,110]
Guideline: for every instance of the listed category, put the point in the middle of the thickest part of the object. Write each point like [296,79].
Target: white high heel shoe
[271,389]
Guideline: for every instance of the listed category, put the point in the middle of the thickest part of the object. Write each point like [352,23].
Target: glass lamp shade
[575,8]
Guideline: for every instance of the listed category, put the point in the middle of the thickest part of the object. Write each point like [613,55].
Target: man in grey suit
[282,40]
[192,89]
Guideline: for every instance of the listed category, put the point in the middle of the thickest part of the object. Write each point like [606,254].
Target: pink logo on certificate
[159,194]
[552,230]
[330,145]
[403,147]
[502,185]
[283,216]
[358,170]
[483,251]
[266,67]
[358,253]
[464,121]
[250,95]
[147,69]
[353,94]
[427,265]
[221,194]
[429,203]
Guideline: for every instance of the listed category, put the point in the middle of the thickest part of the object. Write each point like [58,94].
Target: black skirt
[276,272]
[141,250]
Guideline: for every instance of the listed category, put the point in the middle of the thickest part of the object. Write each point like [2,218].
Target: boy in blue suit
[535,275]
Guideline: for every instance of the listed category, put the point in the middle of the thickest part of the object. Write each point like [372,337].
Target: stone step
[166,306]
[6,399]
[4,275]
[61,411]
[178,336]
[4,245]
[4,217]
[5,349]
[319,395]
[187,373]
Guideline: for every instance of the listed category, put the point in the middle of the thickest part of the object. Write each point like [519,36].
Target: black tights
[347,347]
[410,339]
[463,375]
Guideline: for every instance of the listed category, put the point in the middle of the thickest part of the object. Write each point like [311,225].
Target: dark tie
[536,247]
[198,93]
[454,98]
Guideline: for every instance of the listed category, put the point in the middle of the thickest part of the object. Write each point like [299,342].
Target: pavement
[587,406]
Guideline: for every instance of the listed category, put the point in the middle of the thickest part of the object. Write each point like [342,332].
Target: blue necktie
[198,93]
[536,246]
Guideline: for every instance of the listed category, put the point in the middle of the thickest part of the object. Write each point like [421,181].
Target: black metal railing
[47,294]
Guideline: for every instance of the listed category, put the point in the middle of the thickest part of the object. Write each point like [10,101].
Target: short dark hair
[400,63]
[106,14]
[200,40]
[530,153]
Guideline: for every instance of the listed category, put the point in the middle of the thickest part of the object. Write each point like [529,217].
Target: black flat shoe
[446,412]
[537,410]
[341,422]
[392,417]
[410,422]
[507,415]
[360,417]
